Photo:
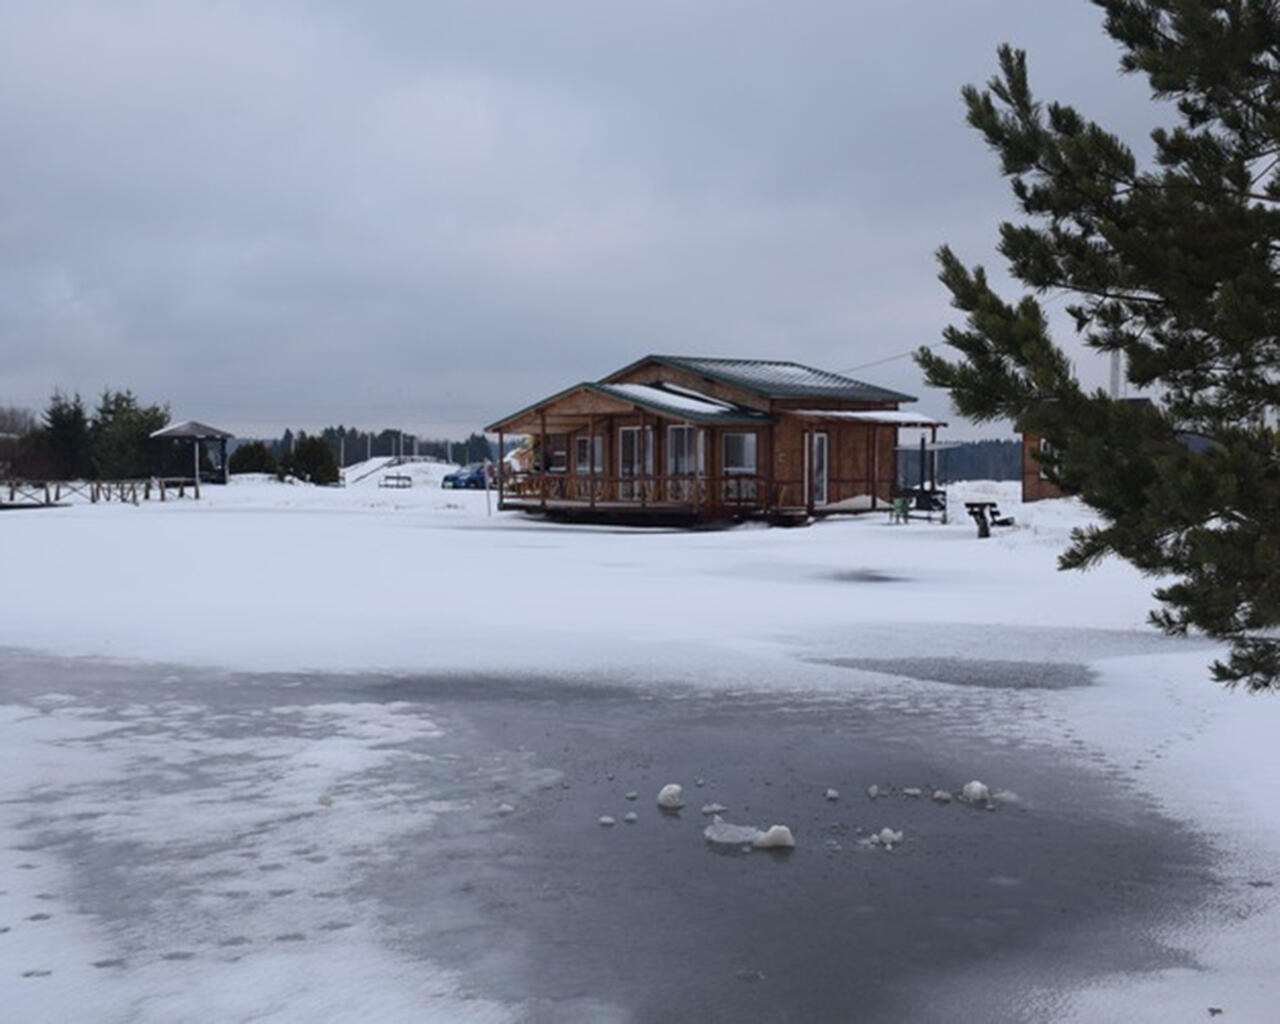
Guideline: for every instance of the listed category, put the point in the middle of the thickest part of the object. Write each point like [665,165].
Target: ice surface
[406,573]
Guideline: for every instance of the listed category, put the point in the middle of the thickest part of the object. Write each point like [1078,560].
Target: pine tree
[64,438]
[1175,265]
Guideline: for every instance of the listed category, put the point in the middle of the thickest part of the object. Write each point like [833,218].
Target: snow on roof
[893,417]
[191,429]
[779,378]
[680,402]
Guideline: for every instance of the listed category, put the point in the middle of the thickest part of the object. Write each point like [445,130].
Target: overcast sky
[426,214]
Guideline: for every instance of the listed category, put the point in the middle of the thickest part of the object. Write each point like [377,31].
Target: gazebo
[198,433]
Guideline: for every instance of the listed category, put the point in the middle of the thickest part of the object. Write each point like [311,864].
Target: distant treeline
[351,445]
[112,441]
[971,460]
[69,442]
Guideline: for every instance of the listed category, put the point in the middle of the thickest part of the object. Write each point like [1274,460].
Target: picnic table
[986,514]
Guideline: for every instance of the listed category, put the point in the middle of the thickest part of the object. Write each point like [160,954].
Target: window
[557,453]
[1046,451]
[740,453]
[583,457]
[686,451]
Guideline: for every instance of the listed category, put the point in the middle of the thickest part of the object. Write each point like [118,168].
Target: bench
[986,514]
[398,480]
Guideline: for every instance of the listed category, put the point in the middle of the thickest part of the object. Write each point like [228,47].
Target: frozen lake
[227,836]
[303,754]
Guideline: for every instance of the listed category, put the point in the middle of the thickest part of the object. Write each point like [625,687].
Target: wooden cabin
[682,437]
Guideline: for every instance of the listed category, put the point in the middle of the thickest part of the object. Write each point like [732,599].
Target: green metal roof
[776,378]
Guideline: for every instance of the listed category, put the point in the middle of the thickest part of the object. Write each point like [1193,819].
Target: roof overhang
[574,407]
[192,430]
[880,417]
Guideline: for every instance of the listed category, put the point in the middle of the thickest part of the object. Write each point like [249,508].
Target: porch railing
[691,491]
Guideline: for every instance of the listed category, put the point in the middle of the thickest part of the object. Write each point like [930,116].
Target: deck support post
[875,465]
[543,461]
[591,460]
[502,465]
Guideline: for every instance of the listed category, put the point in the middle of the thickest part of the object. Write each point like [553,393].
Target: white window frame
[644,459]
[692,450]
[751,447]
[582,454]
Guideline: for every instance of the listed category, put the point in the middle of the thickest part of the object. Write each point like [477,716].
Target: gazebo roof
[192,430]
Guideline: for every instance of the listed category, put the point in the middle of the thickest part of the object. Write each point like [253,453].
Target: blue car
[469,476]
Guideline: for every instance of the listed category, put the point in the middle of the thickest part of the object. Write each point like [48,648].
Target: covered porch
[639,451]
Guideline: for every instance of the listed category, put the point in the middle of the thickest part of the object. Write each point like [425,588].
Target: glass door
[819,474]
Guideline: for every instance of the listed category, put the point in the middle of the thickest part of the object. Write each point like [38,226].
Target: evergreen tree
[254,457]
[64,438]
[1175,266]
[312,460]
[120,440]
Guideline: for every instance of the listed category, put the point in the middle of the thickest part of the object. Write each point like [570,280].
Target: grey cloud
[427,214]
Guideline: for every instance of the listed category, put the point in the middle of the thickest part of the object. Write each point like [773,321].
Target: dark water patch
[986,673]
[652,919]
[863,576]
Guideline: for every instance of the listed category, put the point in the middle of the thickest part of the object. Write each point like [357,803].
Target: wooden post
[875,465]
[502,465]
[591,460]
[195,448]
[543,461]
[642,456]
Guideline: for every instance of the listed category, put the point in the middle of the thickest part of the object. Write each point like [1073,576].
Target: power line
[886,359]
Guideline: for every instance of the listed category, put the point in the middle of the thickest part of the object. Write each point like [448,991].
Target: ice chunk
[631,817]
[671,797]
[721,833]
[886,838]
[505,809]
[975,792]
[699,783]
[606,820]
[873,791]
[775,837]
[1006,796]
[912,791]
[714,808]
[832,794]
[632,794]
[942,796]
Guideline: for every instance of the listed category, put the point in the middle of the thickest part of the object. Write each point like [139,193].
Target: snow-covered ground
[267,577]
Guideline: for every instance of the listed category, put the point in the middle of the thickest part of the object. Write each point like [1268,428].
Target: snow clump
[671,797]
[775,837]
[505,809]
[722,833]
[942,796]
[975,792]
[886,838]
[606,820]
[832,794]
[912,791]
[714,808]
[631,817]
